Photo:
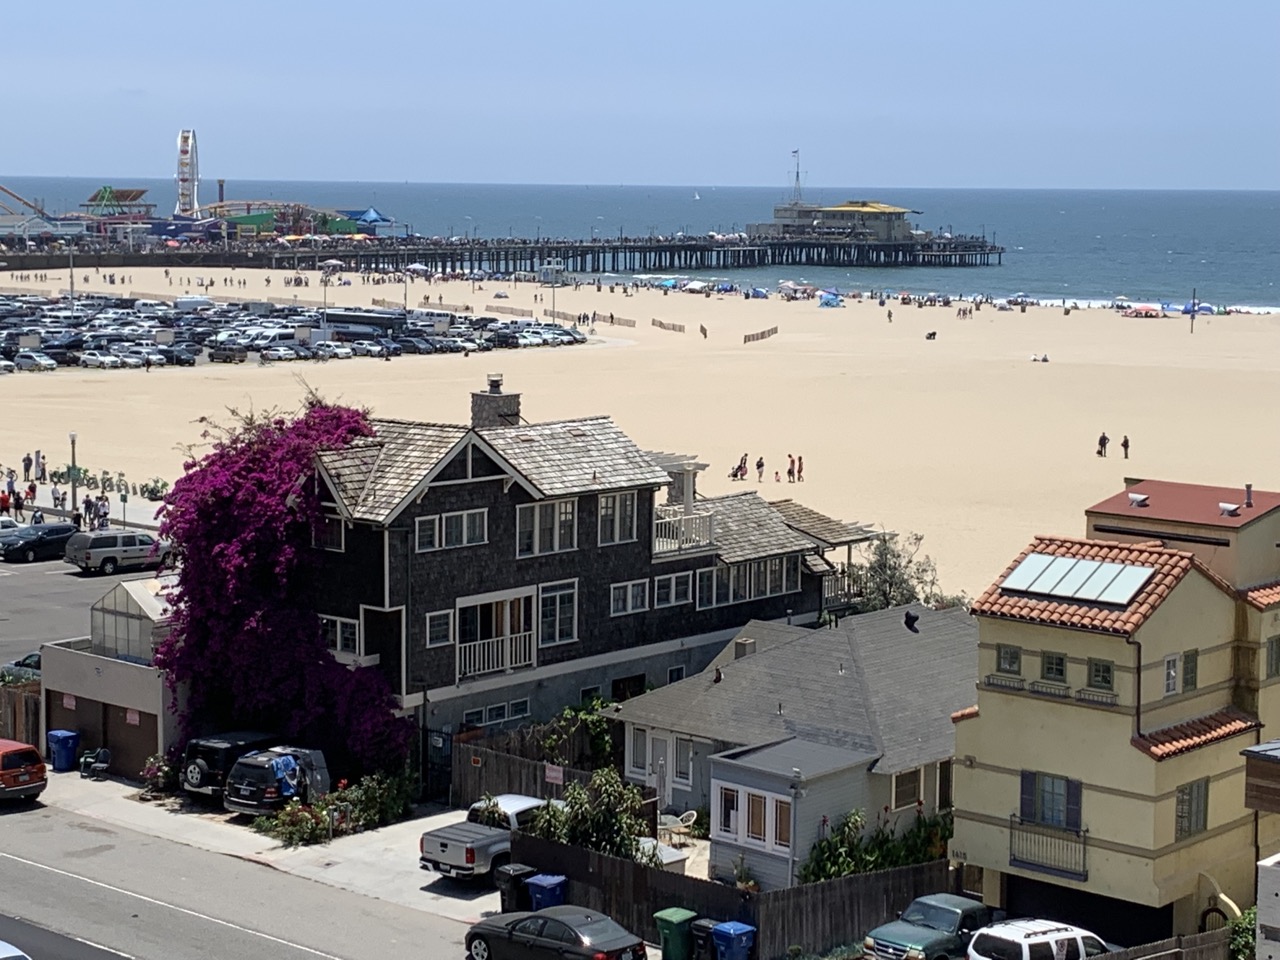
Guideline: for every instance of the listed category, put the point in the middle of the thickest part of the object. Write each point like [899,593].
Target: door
[128,549]
[659,777]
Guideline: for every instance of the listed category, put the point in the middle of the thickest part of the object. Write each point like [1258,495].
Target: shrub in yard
[851,848]
[373,801]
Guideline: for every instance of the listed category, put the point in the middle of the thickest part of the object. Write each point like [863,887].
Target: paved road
[46,945]
[152,899]
[47,600]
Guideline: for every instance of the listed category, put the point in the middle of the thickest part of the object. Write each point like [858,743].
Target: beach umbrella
[332,263]
[1120,298]
[171,243]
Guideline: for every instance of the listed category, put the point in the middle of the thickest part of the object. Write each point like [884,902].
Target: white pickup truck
[473,848]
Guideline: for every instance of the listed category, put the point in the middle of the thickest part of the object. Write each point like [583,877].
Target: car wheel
[108,566]
[478,949]
[29,556]
[195,773]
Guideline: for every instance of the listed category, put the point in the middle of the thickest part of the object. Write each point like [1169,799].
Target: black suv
[266,780]
[39,541]
[207,760]
[228,355]
[389,345]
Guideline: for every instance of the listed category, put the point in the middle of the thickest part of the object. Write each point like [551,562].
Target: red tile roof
[1182,737]
[1170,567]
[967,713]
[1264,595]
[1187,503]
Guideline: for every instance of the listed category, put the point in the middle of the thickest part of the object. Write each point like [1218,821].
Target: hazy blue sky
[930,93]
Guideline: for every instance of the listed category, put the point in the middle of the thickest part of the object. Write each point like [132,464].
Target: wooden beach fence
[510,311]
[762,335]
[561,315]
[428,303]
[664,325]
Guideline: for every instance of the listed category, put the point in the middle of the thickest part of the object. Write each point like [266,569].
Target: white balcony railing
[496,655]
[675,531]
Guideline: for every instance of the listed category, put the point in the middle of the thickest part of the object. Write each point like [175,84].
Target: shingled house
[499,570]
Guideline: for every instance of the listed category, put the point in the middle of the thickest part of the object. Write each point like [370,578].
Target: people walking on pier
[1124,445]
[1103,440]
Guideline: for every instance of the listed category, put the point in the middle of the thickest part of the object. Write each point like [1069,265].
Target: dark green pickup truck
[936,927]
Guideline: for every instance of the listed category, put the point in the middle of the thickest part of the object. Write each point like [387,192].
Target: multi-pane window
[782,822]
[1191,814]
[473,718]
[1190,670]
[439,628]
[1050,800]
[736,583]
[495,713]
[684,759]
[558,612]
[1009,659]
[907,789]
[1053,667]
[464,529]
[330,534]
[518,709]
[675,674]
[1102,674]
[1170,676]
[673,589]
[617,518]
[756,827]
[728,810]
[639,748]
[546,527]
[628,597]
[341,635]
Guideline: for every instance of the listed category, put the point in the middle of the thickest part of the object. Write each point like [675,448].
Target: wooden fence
[20,712]
[762,335]
[509,311]
[817,917]
[664,325]
[450,307]
[1214,945]
[478,771]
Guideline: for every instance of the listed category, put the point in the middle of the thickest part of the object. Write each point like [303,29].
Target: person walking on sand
[1103,440]
[26,467]
[17,506]
[760,470]
[1124,445]
[44,469]
[799,469]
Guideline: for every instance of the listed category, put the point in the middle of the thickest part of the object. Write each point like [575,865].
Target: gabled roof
[567,457]
[748,528]
[827,531]
[1192,734]
[857,687]
[1263,596]
[1192,503]
[1169,567]
[767,634]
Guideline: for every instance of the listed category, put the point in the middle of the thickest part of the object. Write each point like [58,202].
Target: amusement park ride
[188,175]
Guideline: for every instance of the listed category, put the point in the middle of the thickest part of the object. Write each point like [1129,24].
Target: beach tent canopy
[830,300]
[1193,307]
[372,215]
[695,286]
[759,293]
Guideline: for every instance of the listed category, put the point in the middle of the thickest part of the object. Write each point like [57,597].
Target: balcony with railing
[1003,681]
[1046,849]
[678,531]
[842,588]
[495,655]
[1101,698]
[1050,688]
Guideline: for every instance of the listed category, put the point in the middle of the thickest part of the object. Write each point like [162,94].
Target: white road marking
[98,946]
[170,906]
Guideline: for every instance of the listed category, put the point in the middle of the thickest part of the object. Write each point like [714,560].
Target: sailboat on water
[695,195]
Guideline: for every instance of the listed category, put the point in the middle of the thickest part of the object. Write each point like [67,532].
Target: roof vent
[743,647]
[1229,509]
[1138,499]
[577,432]
[495,383]
[1248,494]
[779,708]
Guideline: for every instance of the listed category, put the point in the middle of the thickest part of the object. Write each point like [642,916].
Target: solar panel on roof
[1021,576]
[1123,588]
[1092,588]
[1054,572]
[1075,579]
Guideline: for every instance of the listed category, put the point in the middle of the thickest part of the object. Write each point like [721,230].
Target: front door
[658,774]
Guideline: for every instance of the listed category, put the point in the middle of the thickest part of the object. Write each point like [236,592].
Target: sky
[1162,94]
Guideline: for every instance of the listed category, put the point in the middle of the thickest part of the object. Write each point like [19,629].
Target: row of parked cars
[93,551]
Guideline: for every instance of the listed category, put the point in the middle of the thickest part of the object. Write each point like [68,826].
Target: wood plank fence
[762,335]
[509,311]
[478,771]
[1213,945]
[450,307]
[665,325]
[20,712]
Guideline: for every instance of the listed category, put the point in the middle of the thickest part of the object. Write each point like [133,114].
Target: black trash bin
[510,881]
[703,948]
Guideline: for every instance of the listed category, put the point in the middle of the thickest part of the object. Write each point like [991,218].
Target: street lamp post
[74,471]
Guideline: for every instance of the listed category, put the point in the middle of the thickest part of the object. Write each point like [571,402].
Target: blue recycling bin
[733,940]
[64,747]
[546,890]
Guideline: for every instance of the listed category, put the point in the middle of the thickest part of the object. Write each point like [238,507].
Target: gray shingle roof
[567,457]
[811,523]
[747,528]
[765,633]
[868,684]
[349,469]
[811,759]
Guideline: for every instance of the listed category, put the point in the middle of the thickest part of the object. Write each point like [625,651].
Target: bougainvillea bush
[246,639]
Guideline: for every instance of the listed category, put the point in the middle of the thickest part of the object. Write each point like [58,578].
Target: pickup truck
[936,927]
[473,848]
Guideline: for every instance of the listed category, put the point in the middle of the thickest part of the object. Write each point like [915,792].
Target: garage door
[1116,921]
[68,712]
[131,736]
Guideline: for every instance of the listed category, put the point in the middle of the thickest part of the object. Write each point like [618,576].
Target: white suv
[1035,940]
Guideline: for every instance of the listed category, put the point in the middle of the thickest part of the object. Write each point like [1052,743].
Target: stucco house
[1099,778]
[789,728]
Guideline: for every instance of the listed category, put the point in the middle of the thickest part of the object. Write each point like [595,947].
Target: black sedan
[177,357]
[39,541]
[554,932]
[414,345]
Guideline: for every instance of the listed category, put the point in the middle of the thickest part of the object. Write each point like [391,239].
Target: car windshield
[28,533]
[17,759]
[924,914]
[601,930]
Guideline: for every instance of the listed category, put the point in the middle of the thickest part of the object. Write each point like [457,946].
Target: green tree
[894,572]
[604,815]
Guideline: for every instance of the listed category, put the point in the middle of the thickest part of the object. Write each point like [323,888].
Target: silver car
[106,551]
[34,360]
[100,358]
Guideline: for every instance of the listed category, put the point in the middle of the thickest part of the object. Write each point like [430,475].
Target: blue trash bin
[733,940]
[63,747]
[546,890]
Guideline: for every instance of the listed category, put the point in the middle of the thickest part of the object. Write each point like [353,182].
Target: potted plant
[742,876]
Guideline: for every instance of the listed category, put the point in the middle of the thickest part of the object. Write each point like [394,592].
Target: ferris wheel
[188,174]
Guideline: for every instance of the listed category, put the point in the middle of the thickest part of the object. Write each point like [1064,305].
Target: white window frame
[640,763]
[737,833]
[344,656]
[774,809]
[894,803]
[490,720]
[439,527]
[671,580]
[675,674]
[615,501]
[429,618]
[478,721]
[419,524]
[718,826]
[629,605]
[1171,675]
[555,589]
[763,839]
[513,713]
[745,576]
[687,743]
[539,548]
[327,516]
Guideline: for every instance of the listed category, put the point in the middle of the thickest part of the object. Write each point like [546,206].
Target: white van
[150,307]
[274,338]
[192,304]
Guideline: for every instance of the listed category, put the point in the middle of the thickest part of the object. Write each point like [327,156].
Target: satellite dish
[1229,509]
[1138,499]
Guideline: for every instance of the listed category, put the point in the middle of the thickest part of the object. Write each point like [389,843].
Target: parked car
[331,348]
[107,551]
[225,353]
[206,761]
[934,927]
[265,780]
[505,339]
[8,366]
[474,848]
[22,777]
[279,353]
[414,345]
[176,356]
[39,541]
[367,348]
[301,351]
[33,360]
[24,668]
[100,359]
[1036,940]
[552,933]
[190,346]
[130,362]
[8,524]
[389,346]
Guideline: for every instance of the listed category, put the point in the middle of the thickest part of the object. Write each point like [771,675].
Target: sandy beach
[960,438]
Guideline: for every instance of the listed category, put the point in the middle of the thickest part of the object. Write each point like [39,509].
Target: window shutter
[1074,791]
[1028,811]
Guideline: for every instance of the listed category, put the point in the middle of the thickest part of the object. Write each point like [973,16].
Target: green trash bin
[675,924]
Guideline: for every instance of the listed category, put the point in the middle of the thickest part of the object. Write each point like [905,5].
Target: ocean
[1081,246]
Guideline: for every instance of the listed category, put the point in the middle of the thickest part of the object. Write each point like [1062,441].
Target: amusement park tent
[370,216]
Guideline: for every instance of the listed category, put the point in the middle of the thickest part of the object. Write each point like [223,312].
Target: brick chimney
[492,407]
